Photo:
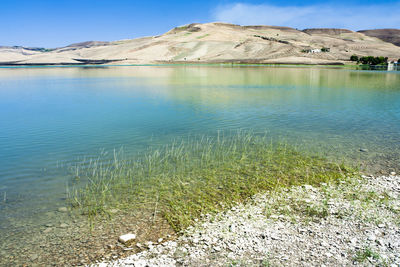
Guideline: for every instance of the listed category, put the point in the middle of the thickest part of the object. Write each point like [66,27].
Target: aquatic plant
[187,178]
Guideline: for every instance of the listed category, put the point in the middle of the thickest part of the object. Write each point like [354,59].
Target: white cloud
[313,16]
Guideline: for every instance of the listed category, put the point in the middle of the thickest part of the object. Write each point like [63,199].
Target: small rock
[372,237]
[309,187]
[110,246]
[114,211]
[353,240]
[126,238]
[392,173]
[139,245]
[274,237]
[363,150]
[63,209]
[63,225]
[217,248]
[324,244]
[381,225]
[160,240]
[328,254]
[47,230]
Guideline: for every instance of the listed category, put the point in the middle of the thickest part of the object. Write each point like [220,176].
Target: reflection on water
[52,117]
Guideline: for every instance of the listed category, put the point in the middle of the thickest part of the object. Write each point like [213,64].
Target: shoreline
[178,63]
[354,222]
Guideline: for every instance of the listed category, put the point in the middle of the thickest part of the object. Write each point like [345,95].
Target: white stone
[371,237]
[126,238]
[308,187]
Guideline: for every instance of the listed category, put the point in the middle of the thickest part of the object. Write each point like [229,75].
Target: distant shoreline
[223,63]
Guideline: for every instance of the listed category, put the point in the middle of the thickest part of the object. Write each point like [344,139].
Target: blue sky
[55,23]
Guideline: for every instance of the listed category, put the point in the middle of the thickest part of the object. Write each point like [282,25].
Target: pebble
[372,237]
[126,238]
[63,225]
[47,230]
[63,209]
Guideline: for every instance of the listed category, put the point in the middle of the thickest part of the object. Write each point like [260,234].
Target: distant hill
[88,44]
[219,42]
[387,35]
[328,31]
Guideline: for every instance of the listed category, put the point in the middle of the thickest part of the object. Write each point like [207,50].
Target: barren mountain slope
[387,35]
[220,42]
[16,53]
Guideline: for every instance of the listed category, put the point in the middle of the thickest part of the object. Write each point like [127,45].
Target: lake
[53,118]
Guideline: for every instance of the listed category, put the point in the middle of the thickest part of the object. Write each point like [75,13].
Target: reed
[185,179]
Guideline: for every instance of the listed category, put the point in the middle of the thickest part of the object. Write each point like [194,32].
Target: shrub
[373,60]
[354,58]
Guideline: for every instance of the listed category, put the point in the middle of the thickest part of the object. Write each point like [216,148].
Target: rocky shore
[353,223]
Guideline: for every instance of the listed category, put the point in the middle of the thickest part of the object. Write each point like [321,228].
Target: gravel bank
[356,222]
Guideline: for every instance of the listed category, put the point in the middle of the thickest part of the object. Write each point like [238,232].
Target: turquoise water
[51,118]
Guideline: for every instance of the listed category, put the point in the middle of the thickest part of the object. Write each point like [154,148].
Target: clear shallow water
[53,117]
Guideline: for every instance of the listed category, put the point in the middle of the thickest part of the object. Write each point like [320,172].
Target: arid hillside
[217,42]
[387,35]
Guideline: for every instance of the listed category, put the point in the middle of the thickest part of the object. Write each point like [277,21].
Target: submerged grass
[185,179]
